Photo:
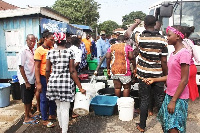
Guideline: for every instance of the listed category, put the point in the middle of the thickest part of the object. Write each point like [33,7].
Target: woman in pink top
[193,89]
[173,113]
[118,57]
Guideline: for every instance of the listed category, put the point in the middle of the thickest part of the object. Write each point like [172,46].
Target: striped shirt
[152,46]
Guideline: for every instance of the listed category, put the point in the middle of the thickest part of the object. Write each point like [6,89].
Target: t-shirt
[26,59]
[40,54]
[174,72]
[88,44]
[152,46]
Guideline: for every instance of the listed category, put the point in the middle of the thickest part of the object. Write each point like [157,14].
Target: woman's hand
[171,107]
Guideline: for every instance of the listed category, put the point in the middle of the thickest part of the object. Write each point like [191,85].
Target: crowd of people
[51,72]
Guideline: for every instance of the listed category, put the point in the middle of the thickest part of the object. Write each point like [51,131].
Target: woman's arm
[152,80]
[37,75]
[48,70]
[74,75]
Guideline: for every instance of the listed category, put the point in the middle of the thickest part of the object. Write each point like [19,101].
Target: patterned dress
[60,85]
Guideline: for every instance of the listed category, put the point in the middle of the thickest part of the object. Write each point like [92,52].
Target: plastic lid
[4,85]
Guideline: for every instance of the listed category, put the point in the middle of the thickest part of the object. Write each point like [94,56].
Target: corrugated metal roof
[6,6]
[46,11]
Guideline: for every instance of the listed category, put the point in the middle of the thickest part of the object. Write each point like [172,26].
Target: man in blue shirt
[102,47]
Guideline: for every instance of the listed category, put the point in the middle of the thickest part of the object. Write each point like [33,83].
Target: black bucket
[107,91]
[15,90]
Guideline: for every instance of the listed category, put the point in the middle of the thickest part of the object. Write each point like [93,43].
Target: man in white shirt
[26,75]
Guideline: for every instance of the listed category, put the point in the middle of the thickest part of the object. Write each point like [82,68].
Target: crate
[104,105]
[4,94]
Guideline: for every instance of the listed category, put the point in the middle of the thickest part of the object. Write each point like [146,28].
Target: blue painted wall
[29,25]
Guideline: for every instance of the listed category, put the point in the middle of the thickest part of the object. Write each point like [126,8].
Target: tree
[129,19]
[79,11]
[108,26]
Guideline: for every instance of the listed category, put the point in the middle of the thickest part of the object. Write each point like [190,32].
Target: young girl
[193,89]
[119,57]
[173,113]
[46,105]
[59,83]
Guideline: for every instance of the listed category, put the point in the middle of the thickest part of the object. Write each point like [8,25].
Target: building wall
[28,25]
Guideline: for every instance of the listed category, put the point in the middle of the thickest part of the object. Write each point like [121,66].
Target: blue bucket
[15,78]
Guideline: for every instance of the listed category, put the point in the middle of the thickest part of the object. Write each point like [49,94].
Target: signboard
[57,26]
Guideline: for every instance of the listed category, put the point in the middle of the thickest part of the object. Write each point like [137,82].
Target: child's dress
[60,85]
[178,118]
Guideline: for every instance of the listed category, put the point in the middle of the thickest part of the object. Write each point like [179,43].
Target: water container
[4,94]
[81,104]
[125,108]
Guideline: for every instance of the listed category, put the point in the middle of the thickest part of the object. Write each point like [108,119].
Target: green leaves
[79,11]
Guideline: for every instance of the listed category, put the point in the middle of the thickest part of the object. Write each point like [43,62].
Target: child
[173,113]
[60,87]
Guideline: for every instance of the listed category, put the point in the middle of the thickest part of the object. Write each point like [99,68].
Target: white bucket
[125,108]
[81,104]
[92,88]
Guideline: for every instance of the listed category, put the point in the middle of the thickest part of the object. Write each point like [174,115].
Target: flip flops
[37,115]
[49,124]
[30,122]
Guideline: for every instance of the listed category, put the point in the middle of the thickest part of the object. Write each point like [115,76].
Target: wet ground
[111,124]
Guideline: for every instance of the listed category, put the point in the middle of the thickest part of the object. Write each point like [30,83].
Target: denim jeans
[144,94]
[45,104]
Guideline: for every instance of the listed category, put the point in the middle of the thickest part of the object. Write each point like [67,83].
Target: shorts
[123,79]
[27,94]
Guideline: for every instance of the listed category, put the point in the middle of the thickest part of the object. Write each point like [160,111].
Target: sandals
[139,128]
[48,124]
[37,115]
[30,122]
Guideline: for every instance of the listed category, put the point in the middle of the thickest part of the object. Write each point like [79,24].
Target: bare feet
[139,128]
[150,113]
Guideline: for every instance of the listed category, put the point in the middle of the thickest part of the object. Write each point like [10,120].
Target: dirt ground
[111,124]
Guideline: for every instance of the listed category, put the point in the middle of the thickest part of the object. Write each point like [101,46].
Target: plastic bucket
[125,108]
[105,72]
[92,64]
[81,104]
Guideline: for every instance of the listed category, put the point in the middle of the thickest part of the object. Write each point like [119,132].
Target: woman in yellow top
[41,85]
